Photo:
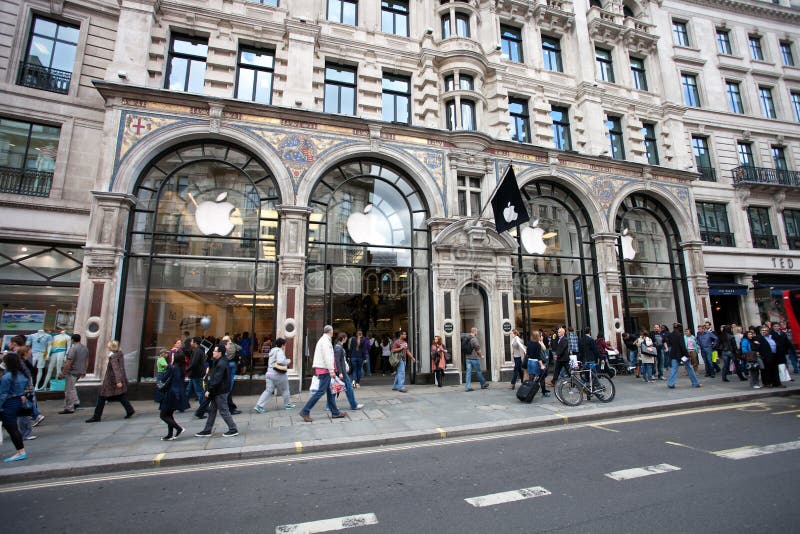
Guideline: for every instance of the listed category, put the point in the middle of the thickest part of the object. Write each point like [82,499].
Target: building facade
[228,166]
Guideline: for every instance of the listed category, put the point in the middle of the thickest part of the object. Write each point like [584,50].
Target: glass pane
[40,52]
[13,140]
[45,27]
[68,34]
[177,74]
[183,46]
[43,148]
[197,77]
[402,109]
[340,74]
[260,59]
[264,88]
[348,100]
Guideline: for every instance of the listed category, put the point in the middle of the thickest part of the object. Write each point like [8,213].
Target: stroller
[616,363]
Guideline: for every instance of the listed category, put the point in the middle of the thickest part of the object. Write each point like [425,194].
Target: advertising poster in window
[66,320]
[22,320]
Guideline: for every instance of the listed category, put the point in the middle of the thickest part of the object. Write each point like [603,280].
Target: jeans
[196,385]
[324,389]
[400,377]
[232,367]
[673,372]
[647,372]
[369,366]
[706,353]
[517,370]
[663,358]
[727,357]
[474,363]
[632,357]
[557,368]
[792,356]
[358,368]
[219,403]
[349,392]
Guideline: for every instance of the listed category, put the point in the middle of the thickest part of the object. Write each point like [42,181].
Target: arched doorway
[201,251]
[651,265]
[473,310]
[555,268]
[368,258]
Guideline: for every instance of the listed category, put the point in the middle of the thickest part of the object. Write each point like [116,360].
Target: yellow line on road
[298,447]
[441,432]
[159,457]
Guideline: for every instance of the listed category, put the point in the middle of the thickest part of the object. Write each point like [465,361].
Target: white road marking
[507,496]
[328,525]
[751,452]
[636,472]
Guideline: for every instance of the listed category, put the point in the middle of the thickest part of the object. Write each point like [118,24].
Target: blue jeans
[358,368]
[647,371]
[400,377]
[673,372]
[727,357]
[349,391]
[663,357]
[476,364]
[232,367]
[196,385]
[369,369]
[324,389]
[793,360]
[706,352]
[632,357]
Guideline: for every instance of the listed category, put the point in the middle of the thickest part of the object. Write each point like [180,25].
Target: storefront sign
[507,327]
[577,288]
[786,264]
[448,328]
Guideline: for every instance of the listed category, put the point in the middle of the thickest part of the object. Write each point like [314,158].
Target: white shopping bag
[783,373]
[314,384]
[573,361]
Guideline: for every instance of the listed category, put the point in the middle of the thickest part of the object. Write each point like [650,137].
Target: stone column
[749,308]
[610,286]
[291,290]
[102,265]
[700,304]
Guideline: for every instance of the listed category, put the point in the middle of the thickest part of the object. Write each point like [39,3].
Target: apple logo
[366,227]
[532,239]
[214,218]
[628,252]
[510,213]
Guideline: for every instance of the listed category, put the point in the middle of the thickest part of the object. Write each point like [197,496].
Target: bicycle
[571,389]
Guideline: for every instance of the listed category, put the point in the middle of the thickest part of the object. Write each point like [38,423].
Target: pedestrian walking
[692,348]
[74,369]
[217,393]
[474,358]
[752,359]
[707,341]
[359,353]
[277,379]
[400,347]
[518,350]
[386,351]
[648,354]
[115,384]
[679,355]
[340,365]
[324,369]
[438,360]
[13,385]
[535,350]
[28,417]
[174,398]
[197,369]
[562,352]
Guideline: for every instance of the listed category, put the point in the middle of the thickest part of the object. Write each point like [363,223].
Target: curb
[197,457]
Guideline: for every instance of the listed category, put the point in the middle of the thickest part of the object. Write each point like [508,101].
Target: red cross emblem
[138,126]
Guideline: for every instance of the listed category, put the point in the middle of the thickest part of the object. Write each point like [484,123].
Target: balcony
[707,174]
[718,239]
[25,182]
[764,176]
[765,241]
[46,79]
[554,15]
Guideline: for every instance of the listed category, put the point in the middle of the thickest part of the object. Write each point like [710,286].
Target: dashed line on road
[328,525]
[601,427]
[507,496]
[742,453]
[687,446]
[785,412]
[638,472]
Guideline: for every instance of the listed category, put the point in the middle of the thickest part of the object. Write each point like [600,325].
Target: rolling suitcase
[528,389]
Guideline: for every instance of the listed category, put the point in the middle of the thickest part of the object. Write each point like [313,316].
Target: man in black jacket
[219,384]
[678,355]
[561,351]
[196,369]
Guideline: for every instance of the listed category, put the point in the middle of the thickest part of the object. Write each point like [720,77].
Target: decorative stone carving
[292,278]
[95,272]
[215,117]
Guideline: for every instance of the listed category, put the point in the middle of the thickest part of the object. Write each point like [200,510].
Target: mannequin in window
[40,343]
[57,354]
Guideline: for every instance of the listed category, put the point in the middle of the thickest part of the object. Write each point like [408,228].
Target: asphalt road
[424,487]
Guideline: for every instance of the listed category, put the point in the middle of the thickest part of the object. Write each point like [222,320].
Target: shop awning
[722,288]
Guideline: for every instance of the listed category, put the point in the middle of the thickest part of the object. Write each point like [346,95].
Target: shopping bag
[732,367]
[58,384]
[314,384]
[337,385]
[783,373]
[714,356]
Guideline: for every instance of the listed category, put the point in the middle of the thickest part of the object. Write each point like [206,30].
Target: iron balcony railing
[765,176]
[764,241]
[707,174]
[25,182]
[718,239]
[44,78]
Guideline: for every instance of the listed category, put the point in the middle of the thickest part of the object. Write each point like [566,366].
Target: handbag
[650,350]
[280,367]
[163,385]
[395,358]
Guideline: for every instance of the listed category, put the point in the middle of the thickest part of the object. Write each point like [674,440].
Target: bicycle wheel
[604,389]
[570,391]
[609,371]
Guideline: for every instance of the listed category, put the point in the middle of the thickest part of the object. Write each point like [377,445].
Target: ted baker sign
[783,263]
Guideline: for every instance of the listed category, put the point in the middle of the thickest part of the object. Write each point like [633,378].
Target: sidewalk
[67,446]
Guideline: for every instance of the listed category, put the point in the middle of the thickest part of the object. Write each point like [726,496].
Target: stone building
[230,166]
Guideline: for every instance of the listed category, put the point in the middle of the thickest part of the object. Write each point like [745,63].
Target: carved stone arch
[680,211]
[416,172]
[481,236]
[137,159]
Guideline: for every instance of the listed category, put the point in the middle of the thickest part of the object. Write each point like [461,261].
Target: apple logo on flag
[365,227]
[510,213]
[628,252]
[532,238]
[214,218]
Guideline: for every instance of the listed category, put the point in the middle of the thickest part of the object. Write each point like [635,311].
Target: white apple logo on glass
[510,213]
[532,238]
[366,227]
[214,218]
[628,252]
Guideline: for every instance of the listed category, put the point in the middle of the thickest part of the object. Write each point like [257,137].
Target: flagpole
[494,191]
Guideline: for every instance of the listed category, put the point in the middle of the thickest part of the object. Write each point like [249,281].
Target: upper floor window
[465,83]
[702,158]
[745,154]
[756,52]
[791,219]
[511,43]
[638,73]
[691,94]
[394,17]
[343,11]
[767,104]
[761,227]
[520,121]
[734,97]
[680,33]
[186,69]
[340,89]
[724,42]
[614,125]
[254,77]
[714,227]
[561,136]
[786,53]
[796,105]
[779,158]
[650,143]
[50,56]
[460,114]
[551,52]
[605,66]
[469,196]
[457,26]
[27,157]
[396,98]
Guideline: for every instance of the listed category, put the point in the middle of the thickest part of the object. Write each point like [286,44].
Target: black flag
[507,204]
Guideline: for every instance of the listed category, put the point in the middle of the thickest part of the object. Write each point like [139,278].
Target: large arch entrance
[368,253]
[555,274]
[201,252]
[651,265]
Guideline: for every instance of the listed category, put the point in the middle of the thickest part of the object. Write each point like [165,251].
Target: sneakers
[469,389]
[339,415]
[358,407]
[403,390]
[38,420]
[756,387]
[289,406]
[485,386]
[203,433]
[29,438]
[16,457]
[230,433]
[168,438]
[259,409]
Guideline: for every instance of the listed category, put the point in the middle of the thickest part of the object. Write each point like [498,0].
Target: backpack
[466,346]
[233,351]
[395,358]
